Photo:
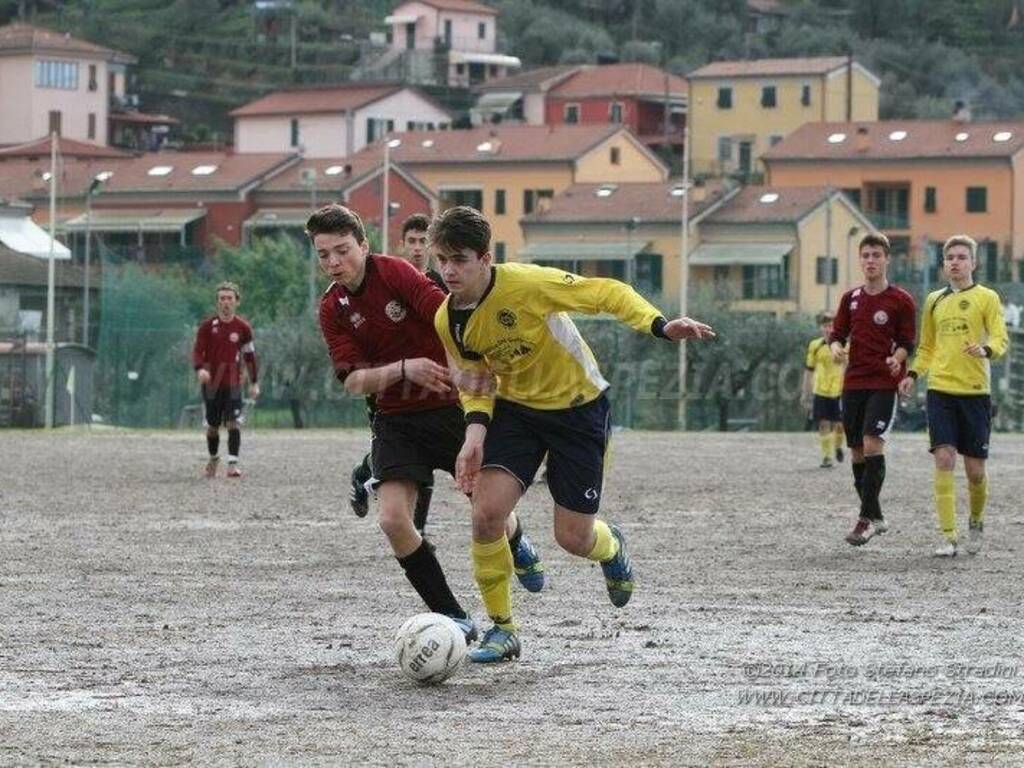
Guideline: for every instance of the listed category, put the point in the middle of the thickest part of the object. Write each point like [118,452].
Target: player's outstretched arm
[419,370]
[687,328]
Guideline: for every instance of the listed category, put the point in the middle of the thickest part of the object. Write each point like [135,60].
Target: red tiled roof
[232,172]
[345,171]
[508,144]
[17,38]
[466,6]
[650,202]
[620,80]
[24,178]
[770,67]
[66,148]
[336,98]
[750,206]
[924,139]
[531,81]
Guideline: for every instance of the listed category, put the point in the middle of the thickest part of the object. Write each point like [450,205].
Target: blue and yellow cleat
[618,572]
[468,627]
[498,645]
[529,568]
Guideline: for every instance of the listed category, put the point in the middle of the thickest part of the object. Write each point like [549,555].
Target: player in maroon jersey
[877,320]
[222,343]
[377,319]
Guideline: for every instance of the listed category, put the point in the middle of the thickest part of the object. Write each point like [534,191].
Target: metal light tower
[386,205]
[684,271]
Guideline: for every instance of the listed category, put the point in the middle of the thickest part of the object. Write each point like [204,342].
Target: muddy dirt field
[151,617]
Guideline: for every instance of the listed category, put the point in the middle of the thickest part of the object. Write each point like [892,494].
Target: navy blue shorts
[868,413]
[574,439]
[222,405]
[826,409]
[963,421]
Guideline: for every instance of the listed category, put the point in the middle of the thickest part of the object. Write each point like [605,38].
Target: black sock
[234,442]
[874,476]
[423,496]
[858,479]
[425,574]
[213,443]
[513,542]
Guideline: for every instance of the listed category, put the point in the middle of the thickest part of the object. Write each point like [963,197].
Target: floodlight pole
[684,272]
[51,281]
[386,203]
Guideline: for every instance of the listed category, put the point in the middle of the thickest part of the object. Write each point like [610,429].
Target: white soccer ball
[430,648]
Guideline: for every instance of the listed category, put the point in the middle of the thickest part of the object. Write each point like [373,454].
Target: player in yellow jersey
[962,329]
[510,321]
[822,391]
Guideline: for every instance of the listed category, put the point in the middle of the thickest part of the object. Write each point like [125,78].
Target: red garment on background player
[220,347]
[875,326]
[390,318]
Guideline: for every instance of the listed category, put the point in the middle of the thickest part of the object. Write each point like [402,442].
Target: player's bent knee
[574,539]
[945,457]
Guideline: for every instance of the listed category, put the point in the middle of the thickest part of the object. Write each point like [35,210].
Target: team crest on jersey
[881,317]
[853,305]
[395,311]
[964,304]
[343,301]
[233,338]
[507,318]
[356,319]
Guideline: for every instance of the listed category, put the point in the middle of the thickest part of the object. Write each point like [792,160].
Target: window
[827,271]
[294,132]
[111,84]
[929,200]
[57,74]
[532,198]
[377,127]
[92,78]
[768,97]
[615,112]
[988,255]
[572,113]
[55,121]
[977,199]
[499,201]
[805,95]
[773,140]
[448,32]
[481,30]
[724,149]
[460,69]
[499,252]
[615,156]
[854,194]
[492,70]
[725,98]
[648,273]
[474,198]
[92,125]
[766,282]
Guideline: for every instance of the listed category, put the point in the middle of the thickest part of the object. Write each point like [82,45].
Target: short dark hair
[418,222]
[876,239]
[825,317]
[461,227]
[334,219]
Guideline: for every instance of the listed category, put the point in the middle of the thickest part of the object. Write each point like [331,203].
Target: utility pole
[51,285]
[684,272]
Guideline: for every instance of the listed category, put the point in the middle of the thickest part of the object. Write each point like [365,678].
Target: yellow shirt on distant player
[828,374]
[950,321]
[520,331]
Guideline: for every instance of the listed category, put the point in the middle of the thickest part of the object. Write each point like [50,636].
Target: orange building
[920,182]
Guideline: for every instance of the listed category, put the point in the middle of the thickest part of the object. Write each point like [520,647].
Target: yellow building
[740,109]
[760,248]
[510,171]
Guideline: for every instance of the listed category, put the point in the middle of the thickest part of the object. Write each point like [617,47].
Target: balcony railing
[889,219]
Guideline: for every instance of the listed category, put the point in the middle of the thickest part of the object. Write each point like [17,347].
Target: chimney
[861,140]
[961,112]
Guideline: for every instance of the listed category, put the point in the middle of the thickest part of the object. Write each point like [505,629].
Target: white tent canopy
[22,235]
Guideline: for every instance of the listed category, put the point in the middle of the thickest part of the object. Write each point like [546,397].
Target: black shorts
[574,439]
[963,421]
[826,409]
[410,446]
[868,413]
[222,405]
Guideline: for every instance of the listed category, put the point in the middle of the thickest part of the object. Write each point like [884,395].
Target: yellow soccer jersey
[828,374]
[950,321]
[521,332]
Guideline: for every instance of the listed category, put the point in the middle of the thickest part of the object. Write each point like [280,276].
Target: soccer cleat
[840,455]
[861,533]
[468,627]
[826,463]
[234,471]
[880,525]
[498,645]
[529,568]
[211,467]
[359,497]
[948,549]
[618,572]
[975,534]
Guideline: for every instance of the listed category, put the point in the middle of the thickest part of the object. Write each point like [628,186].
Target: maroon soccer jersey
[220,348]
[390,318]
[875,326]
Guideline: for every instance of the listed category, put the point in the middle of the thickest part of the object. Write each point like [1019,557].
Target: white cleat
[880,525]
[975,534]
[948,549]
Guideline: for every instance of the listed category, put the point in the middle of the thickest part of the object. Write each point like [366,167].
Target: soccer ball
[430,648]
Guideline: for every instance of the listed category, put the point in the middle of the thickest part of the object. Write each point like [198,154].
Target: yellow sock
[492,569]
[978,493]
[838,438]
[945,503]
[606,546]
[826,442]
